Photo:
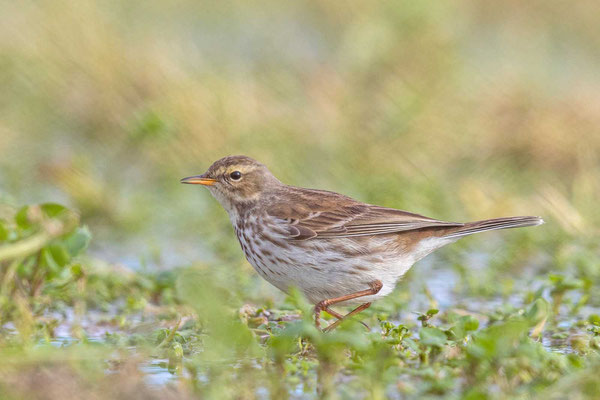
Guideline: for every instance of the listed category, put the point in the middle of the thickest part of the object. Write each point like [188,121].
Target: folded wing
[335,216]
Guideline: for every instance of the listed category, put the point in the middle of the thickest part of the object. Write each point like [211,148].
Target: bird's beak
[199,180]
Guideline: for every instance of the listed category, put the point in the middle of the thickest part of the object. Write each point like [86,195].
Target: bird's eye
[235,175]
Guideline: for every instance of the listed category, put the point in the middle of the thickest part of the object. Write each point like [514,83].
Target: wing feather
[320,214]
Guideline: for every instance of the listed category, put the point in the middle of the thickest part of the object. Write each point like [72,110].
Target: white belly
[322,273]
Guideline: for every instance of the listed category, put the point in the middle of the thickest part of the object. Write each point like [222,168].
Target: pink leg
[374,288]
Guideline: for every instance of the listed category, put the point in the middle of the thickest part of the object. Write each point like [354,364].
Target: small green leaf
[53,210]
[78,241]
[22,218]
[469,323]
[77,270]
[59,254]
[538,311]
[49,263]
[411,344]
[432,336]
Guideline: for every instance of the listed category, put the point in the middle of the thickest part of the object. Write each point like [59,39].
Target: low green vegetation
[74,325]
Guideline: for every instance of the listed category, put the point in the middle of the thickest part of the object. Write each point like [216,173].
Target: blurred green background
[458,110]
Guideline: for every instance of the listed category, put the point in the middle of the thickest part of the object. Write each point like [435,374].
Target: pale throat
[236,208]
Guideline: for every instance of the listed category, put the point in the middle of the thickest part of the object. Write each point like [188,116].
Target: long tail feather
[493,224]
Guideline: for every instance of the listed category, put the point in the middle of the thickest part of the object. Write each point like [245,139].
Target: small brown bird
[335,249]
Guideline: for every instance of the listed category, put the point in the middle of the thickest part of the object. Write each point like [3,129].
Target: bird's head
[235,180]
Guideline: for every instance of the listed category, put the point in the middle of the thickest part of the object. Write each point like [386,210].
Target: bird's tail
[493,224]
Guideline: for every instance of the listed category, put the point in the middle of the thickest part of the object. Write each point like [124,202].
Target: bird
[336,250]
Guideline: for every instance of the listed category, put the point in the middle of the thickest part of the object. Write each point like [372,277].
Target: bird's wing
[330,215]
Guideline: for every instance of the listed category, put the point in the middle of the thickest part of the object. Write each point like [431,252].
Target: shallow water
[157,372]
